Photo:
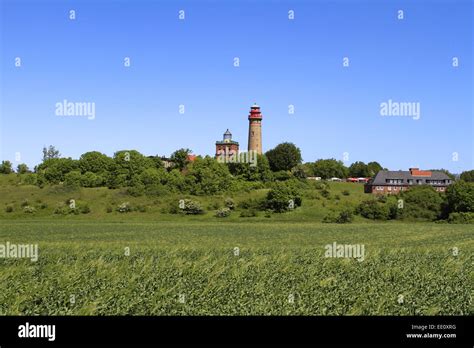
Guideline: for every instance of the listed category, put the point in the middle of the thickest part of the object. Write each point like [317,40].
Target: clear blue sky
[282,62]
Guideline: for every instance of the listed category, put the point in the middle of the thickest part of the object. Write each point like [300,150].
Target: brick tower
[227,147]
[255,129]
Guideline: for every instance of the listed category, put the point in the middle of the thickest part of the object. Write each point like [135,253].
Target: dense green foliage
[358,169]
[421,202]
[180,158]
[468,176]
[22,169]
[461,218]
[284,156]
[460,197]
[6,167]
[329,168]
[284,196]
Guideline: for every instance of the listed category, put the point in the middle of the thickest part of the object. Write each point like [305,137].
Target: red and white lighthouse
[255,130]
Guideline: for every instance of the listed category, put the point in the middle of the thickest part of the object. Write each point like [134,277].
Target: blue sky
[282,62]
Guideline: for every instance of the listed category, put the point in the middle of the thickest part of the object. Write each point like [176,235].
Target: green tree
[299,172]
[22,169]
[358,169]
[95,162]
[259,171]
[284,196]
[176,181]
[50,153]
[467,176]
[373,168]
[151,176]
[90,179]
[55,169]
[421,202]
[374,210]
[180,158]
[73,178]
[329,168]
[460,197]
[157,161]
[6,167]
[284,156]
[127,165]
[207,176]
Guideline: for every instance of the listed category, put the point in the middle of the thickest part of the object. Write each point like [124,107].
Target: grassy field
[190,267]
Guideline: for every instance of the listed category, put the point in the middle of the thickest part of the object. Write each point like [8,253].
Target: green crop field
[188,266]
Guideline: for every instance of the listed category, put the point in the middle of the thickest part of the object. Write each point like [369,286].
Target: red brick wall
[393,189]
[221,148]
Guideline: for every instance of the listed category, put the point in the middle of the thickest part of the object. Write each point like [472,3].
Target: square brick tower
[227,147]
[255,129]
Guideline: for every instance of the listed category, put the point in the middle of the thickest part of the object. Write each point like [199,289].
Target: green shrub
[321,185]
[343,217]
[282,175]
[109,209]
[84,209]
[283,197]
[137,190]
[157,190]
[223,212]
[141,208]
[90,179]
[9,209]
[229,203]
[421,202]
[24,203]
[65,208]
[73,179]
[373,210]
[30,179]
[346,193]
[172,207]
[325,193]
[61,209]
[29,209]
[213,206]
[124,207]
[461,218]
[330,217]
[248,213]
[460,197]
[252,203]
[190,207]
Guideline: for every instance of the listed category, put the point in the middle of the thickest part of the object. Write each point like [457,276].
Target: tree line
[130,168]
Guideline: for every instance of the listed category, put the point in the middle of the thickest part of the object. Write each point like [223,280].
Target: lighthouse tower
[255,129]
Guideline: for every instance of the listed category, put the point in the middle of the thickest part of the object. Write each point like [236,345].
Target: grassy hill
[103,200]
